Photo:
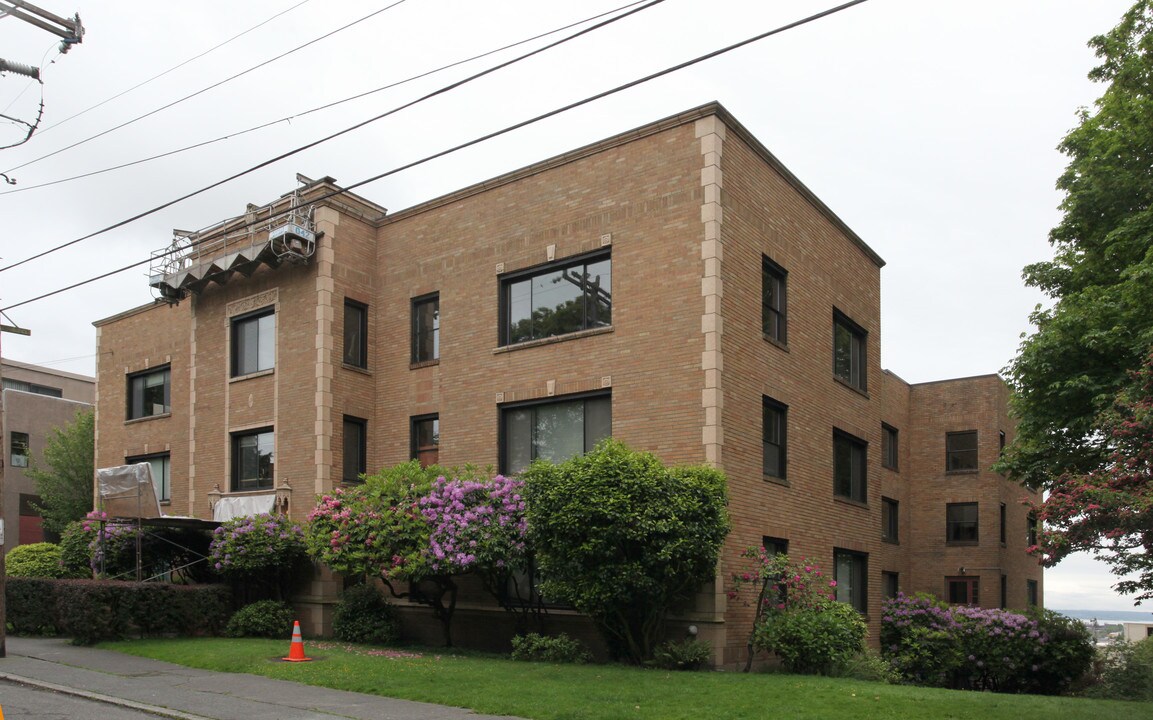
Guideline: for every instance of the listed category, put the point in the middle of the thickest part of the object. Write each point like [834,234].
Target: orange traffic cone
[296,649]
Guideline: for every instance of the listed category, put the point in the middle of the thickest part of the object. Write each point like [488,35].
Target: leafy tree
[64,482]
[624,539]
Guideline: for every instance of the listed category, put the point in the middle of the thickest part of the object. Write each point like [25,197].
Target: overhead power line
[363,123]
[319,108]
[206,89]
[497,133]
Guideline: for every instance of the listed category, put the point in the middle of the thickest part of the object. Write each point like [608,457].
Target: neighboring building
[1137,631]
[674,286]
[36,400]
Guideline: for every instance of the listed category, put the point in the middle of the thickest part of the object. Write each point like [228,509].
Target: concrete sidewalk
[173,691]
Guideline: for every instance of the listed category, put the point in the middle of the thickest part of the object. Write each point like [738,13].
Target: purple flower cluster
[474,522]
[257,543]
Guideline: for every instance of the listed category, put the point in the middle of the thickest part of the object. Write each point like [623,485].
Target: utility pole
[3,455]
[69,30]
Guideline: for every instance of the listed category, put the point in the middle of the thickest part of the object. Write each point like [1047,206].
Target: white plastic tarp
[127,491]
[227,508]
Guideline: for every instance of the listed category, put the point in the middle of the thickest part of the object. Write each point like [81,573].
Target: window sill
[783,482]
[962,472]
[249,376]
[890,541]
[891,469]
[851,501]
[243,493]
[552,340]
[845,383]
[356,369]
[146,418]
[962,543]
[423,364]
[773,341]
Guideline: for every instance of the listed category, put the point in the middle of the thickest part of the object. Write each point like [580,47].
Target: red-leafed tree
[1109,511]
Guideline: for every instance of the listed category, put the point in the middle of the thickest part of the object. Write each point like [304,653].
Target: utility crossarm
[71,31]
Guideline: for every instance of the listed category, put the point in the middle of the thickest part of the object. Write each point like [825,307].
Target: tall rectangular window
[1032,593]
[355,449]
[426,328]
[849,351]
[1004,591]
[961,451]
[425,434]
[1004,513]
[890,520]
[18,449]
[961,523]
[253,342]
[1031,530]
[773,419]
[962,590]
[355,334]
[253,459]
[851,571]
[161,470]
[890,584]
[553,431]
[889,447]
[150,393]
[849,480]
[557,299]
[773,301]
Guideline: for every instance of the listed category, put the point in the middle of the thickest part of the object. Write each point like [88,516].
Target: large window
[890,520]
[889,447]
[773,418]
[962,590]
[849,467]
[961,523]
[18,449]
[355,445]
[149,393]
[426,439]
[851,570]
[253,342]
[849,351]
[961,451]
[556,300]
[426,328]
[355,334]
[22,386]
[773,301]
[161,469]
[553,431]
[253,457]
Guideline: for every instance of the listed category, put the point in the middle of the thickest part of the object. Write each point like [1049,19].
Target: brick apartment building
[674,286]
[35,401]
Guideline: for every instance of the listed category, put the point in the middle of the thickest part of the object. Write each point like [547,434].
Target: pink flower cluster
[474,521]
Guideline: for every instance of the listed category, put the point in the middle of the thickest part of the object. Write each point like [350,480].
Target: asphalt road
[18,702]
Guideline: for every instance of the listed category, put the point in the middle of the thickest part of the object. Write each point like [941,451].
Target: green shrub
[75,555]
[31,606]
[38,560]
[1065,660]
[265,618]
[813,640]
[867,666]
[691,654]
[543,648]
[364,616]
[1126,672]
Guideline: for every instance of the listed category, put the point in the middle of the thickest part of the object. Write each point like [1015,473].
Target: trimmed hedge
[90,611]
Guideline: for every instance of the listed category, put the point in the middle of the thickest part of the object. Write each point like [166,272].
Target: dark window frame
[237,365]
[960,529]
[890,447]
[355,342]
[417,450]
[31,387]
[1004,591]
[164,486]
[360,450]
[136,406]
[1032,593]
[237,482]
[19,441]
[425,341]
[890,520]
[774,546]
[590,317]
[852,369]
[774,305]
[858,584]
[962,459]
[1032,527]
[858,487]
[774,434]
[963,590]
[1003,522]
[503,439]
[890,584]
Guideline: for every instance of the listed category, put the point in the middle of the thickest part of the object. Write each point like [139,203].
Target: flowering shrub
[246,545]
[111,545]
[798,617]
[930,643]
[474,523]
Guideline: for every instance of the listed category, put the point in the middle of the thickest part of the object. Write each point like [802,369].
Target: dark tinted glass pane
[519,299]
[355,322]
[598,421]
[599,291]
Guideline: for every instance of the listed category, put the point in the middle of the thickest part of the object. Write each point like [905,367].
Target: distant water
[1110,616]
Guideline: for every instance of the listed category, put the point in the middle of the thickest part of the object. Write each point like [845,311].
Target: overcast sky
[930,128]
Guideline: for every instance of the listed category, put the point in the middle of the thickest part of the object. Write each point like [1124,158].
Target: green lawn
[539,691]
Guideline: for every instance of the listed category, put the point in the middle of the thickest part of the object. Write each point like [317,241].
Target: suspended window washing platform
[234,247]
